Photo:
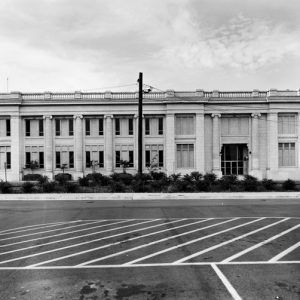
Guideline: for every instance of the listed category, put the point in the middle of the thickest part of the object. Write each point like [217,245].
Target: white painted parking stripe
[42,232]
[154,242]
[89,234]
[228,242]
[260,244]
[115,243]
[36,228]
[226,282]
[32,226]
[190,242]
[285,252]
[63,248]
[66,233]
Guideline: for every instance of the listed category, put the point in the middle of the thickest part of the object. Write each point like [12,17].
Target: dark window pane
[131,159]
[27,159]
[160,126]
[8,160]
[87,127]
[147,126]
[57,127]
[117,126]
[41,127]
[87,159]
[130,126]
[27,127]
[71,128]
[57,159]
[71,159]
[101,159]
[100,126]
[161,158]
[147,158]
[118,157]
[41,159]
[7,127]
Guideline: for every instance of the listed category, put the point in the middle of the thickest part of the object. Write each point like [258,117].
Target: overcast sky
[68,45]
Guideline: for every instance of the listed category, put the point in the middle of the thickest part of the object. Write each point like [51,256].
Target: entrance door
[234,159]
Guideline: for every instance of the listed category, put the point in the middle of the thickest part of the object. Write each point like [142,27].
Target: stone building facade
[248,132]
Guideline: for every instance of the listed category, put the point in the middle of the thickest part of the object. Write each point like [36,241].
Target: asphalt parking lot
[52,250]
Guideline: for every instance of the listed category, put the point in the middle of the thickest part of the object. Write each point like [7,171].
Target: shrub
[250,183]
[5,187]
[28,187]
[289,185]
[196,176]
[71,187]
[124,178]
[209,180]
[49,187]
[32,177]
[158,175]
[43,179]
[174,178]
[269,184]
[98,178]
[62,178]
[228,182]
[84,181]
[117,187]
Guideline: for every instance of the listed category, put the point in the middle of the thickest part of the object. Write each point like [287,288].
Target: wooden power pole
[140,130]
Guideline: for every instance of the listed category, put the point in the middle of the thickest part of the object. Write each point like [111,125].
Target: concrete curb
[148,196]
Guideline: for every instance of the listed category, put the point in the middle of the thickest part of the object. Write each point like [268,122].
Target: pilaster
[216,145]
[78,145]
[108,151]
[200,143]
[170,143]
[255,166]
[15,148]
[272,121]
[48,147]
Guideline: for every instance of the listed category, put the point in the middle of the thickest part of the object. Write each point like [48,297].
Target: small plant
[269,184]
[49,187]
[71,187]
[63,167]
[250,183]
[289,185]
[209,179]
[28,187]
[62,178]
[125,164]
[5,187]
[33,165]
[228,182]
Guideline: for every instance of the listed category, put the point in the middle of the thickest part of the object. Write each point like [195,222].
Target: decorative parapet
[77,95]
[199,93]
[47,95]
[170,93]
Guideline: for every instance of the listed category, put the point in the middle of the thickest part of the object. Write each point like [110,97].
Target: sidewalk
[149,196]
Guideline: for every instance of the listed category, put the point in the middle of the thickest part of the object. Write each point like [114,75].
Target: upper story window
[64,127]
[124,126]
[94,127]
[154,126]
[34,127]
[287,124]
[4,127]
[185,125]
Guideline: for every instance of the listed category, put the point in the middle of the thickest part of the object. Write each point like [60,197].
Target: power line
[110,87]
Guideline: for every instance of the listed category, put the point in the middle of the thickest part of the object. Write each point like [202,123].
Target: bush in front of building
[124,178]
[5,187]
[63,178]
[250,183]
[269,184]
[32,177]
[229,183]
[209,181]
[29,187]
[289,185]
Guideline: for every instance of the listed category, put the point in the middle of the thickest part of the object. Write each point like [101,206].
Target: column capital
[255,115]
[15,117]
[170,114]
[47,117]
[216,115]
[108,116]
[78,117]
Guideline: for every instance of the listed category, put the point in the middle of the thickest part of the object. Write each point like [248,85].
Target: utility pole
[140,130]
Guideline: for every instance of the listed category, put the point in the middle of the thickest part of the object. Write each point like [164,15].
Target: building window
[41,127]
[287,124]
[160,126]
[147,126]
[101,159]
[185,156]
[27,159]
[124,153]
[5,157]
[117,131]
[286,155]
[71,159]
[57,160]
[154,126]
[41,160]
[71,127]
[87,127]
[154,156]
[57,127]
[100,126]
[87,159]
[27,127]
[185,125]
[8,127]
[130,126]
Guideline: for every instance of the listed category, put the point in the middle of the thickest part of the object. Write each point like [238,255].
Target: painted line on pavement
[30,227]
[228,242]
[42,232]
[75,237]
[114,243]
[190,242]
[154,242]
[226,282]
[260,244]
[285,252]
[64,233]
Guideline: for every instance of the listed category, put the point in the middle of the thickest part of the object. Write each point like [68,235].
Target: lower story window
[5,157]
[185,156]
[286,155]
[94,156]
[154,156]
[34,157]
[124,154]
[64,157]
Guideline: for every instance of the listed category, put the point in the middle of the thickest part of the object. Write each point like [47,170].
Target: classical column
[15,148]
[170,143]
[255,146]
[108,147]
[272,166]
[78,145]
[216,145]
[200,143]
[48,147]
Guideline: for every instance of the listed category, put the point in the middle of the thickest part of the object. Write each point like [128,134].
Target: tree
[63,167]
[33,165]
[125,164]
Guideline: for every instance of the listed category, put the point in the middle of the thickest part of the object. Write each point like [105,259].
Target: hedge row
[152,182]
